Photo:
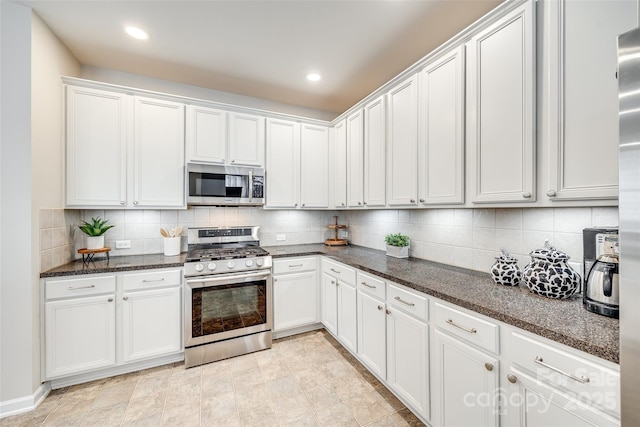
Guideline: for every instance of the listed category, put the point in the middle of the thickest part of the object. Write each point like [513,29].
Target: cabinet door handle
[526,195]
[541,362]
[110,300]
[233,161]
[405,302]
[551,193]
[122,202]
[380,307]
[295,265]
[412,200]
[488,366]
[154,280]
[368,285]
[333,282]
[295,205]
[341,204]
[421,200]
[125,298]
[359,203]
[512,378]
[73,288]
[337,272]
[388,311]
[364,203]
[470,330]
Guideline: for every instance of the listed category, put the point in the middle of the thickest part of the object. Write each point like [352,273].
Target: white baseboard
[26,403]
[295,331]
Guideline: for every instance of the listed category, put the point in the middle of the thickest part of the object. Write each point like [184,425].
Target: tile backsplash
[469,238]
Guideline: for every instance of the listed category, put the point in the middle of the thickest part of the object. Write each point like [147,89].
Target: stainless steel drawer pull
[296,265]
[470,330]
[154,280]
[404,302]
[337,272]
[540,362]
[73,288]
[368,285]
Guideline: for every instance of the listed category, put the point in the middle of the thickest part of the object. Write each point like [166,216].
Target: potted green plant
[397,245]
[95,232]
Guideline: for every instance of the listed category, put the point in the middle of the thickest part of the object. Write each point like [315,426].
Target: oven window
[228,307]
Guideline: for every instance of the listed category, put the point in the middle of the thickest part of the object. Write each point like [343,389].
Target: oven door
[227,306]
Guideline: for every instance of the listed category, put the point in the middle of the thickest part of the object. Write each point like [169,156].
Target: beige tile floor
[305,380]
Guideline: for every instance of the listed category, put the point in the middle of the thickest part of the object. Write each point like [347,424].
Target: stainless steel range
[228,294]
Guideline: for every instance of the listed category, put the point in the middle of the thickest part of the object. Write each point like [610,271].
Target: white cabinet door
[97,132]
[371,334]
[79,335]
[532,403]
[501,109]
[339,173]
[158,169]
[295,301]
[580,44]
[347,319]
[329,295]
[151,323]
[283,164]
[314,166]
[402,158]
[206,133]
[246,139]
[441,125]
[355,159]
[408,360]
[374,152]
[466,383]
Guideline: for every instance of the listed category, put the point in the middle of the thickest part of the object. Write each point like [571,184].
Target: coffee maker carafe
[602,285]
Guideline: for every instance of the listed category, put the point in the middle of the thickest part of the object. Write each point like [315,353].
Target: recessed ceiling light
[136,33]
[313,77]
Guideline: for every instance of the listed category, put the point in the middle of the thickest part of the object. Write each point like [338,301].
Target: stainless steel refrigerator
[629,217]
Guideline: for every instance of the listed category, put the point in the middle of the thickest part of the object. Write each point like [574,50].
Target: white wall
[17,377]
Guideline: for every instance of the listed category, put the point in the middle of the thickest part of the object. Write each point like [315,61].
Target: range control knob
[199,267]
[211,266]
[259,262]
[231,264]
[248,262]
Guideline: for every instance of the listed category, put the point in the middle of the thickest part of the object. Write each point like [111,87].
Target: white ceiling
[263,48]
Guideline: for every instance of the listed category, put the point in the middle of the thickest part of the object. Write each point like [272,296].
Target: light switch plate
[281,237]
[123,244]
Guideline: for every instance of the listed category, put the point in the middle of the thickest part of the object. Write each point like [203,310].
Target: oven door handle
[228,278]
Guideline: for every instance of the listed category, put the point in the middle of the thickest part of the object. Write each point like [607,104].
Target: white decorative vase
[95,242]
[171,246]
[398,251]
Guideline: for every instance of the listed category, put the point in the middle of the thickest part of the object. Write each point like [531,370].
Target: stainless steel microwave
[219,185]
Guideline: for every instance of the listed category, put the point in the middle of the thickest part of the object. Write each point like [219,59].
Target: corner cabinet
[580,47]
[355,159]
[501,109]
[374,153]
[123,150]
[339,164]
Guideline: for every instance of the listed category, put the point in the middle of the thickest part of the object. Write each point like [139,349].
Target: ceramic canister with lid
[549,273]
[505,270]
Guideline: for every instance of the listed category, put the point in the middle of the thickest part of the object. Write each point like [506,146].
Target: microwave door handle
[250,189]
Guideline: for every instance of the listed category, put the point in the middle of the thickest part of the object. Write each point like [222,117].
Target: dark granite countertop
[564,321]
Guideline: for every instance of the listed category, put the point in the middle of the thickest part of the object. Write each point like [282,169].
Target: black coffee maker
[600,274]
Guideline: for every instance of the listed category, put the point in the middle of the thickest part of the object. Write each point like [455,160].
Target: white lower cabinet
[295,293]
[371,338]
[465,384]
[339,303]
[329,289]
[110,320]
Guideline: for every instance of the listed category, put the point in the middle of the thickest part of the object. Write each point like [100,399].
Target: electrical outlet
[123,244]
[281,237]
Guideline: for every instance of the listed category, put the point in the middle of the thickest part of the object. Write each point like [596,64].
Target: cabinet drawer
[86,286]
[588,380]
[294,265]
[470,328]
[152,279]
[339,271]
[371,285]
[410,302]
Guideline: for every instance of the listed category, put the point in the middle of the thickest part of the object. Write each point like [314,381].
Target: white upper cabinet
[97,124]
[246,139]
[374,153]
[158,168]
[501,109]
[441,130]
[206,133]
[355,159]
[314,166]
[283,163]
[580,46]
[339,171]
[402,151]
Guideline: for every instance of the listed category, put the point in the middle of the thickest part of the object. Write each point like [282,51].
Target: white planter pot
[398,251]
[95,242]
